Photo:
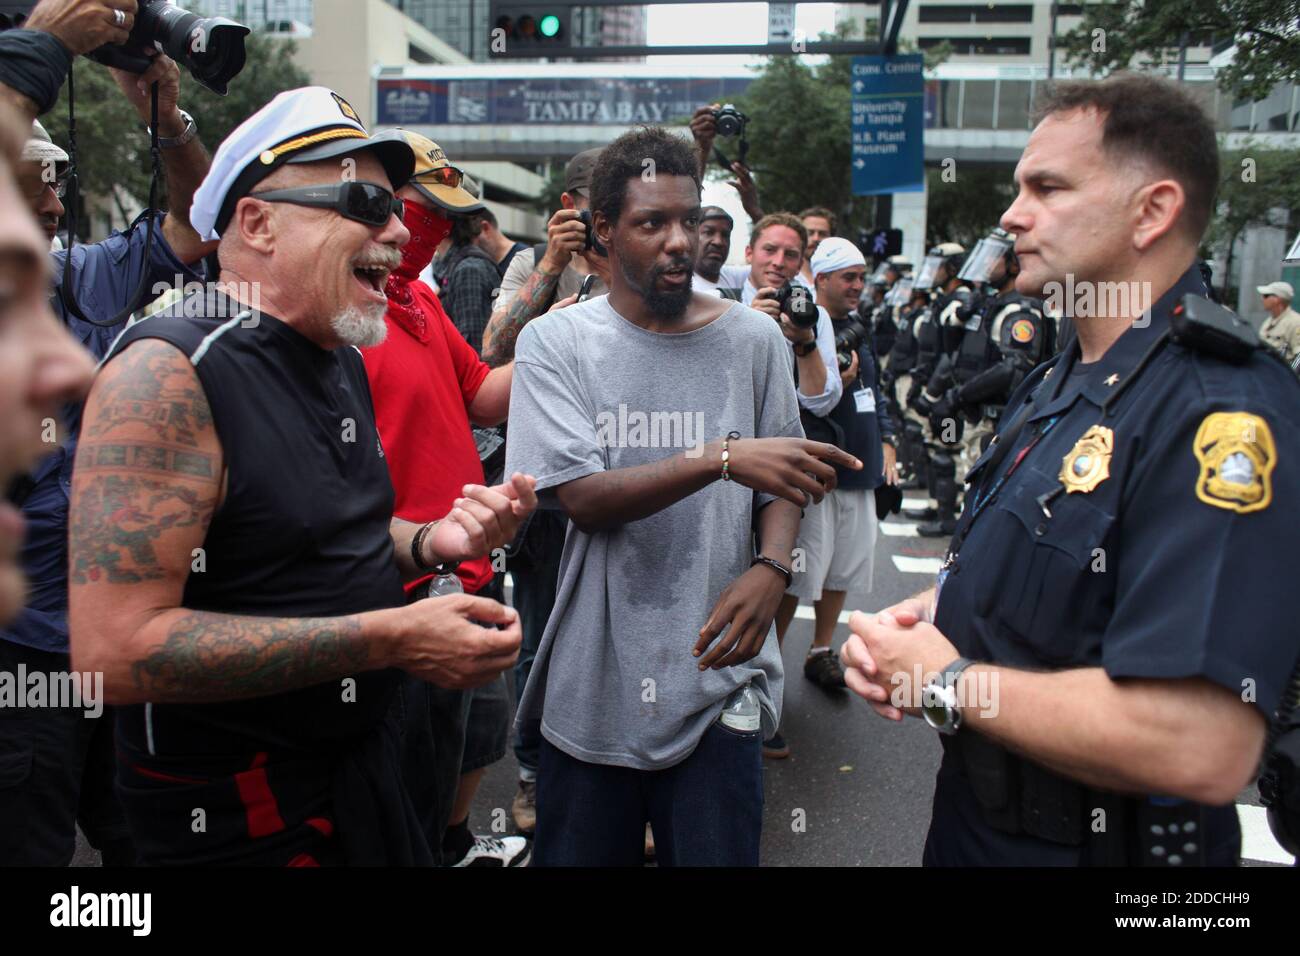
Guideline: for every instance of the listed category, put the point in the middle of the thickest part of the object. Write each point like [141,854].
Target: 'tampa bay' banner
[583,101]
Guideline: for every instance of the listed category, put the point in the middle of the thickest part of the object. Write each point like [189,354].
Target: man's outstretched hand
[482,521]
[795,469]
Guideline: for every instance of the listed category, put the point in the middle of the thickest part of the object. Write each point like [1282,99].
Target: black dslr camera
[729,122]
[798,304]
[848,340]
[592,244]
[211,48]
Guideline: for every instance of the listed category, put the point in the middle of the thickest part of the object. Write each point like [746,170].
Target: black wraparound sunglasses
[369,203]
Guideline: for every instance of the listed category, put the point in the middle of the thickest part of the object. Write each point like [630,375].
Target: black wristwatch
[804,349]
[940,706]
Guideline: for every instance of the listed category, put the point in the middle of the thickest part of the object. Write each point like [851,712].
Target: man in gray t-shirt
[620,407]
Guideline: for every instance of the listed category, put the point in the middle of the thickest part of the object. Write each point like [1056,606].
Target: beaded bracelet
[726,455]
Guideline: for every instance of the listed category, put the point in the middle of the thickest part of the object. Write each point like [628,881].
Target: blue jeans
[705,811]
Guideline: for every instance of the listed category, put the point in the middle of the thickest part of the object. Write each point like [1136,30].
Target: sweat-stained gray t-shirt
[614,680]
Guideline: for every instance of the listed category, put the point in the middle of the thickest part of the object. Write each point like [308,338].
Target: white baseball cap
[1282,290]
[39,148]
[298,126]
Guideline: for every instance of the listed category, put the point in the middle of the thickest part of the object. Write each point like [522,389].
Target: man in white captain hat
[236,566]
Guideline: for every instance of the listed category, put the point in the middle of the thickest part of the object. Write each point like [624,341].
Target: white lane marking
[918,500]
[805,612]
[908,565]
[898,529]
[1257,841]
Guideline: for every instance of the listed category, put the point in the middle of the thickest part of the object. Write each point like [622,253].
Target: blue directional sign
[888,124]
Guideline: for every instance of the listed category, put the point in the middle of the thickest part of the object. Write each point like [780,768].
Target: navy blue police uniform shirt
[1172,566]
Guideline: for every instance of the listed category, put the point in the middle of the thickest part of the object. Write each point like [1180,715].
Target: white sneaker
[497,851]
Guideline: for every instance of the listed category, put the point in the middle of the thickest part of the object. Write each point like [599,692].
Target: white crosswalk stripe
[898,529]
[910,565]
[1257,842]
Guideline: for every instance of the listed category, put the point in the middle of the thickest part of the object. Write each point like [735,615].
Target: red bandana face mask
[427,229]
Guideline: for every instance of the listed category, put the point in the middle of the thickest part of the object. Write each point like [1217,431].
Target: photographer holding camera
[774,254]
[838,536]
[706,125]
[72,756]
[35,59]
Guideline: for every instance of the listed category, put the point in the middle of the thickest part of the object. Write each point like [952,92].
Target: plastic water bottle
[741,712]
[445,584]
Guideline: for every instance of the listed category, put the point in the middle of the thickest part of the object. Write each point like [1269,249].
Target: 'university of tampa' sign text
[888,121]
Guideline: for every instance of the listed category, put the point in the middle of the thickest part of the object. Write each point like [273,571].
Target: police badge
[1087,464]
[1237,455]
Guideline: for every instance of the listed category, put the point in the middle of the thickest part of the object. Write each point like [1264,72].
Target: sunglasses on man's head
[363,202]
[442,176]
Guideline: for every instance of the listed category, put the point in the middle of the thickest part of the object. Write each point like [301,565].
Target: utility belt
[1019,797]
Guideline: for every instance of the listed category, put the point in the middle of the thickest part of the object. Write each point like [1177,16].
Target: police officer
[1005,338]
[1108,637]
[938,335]
[877,316]
[910,306]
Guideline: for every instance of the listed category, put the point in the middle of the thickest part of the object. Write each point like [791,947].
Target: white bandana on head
[834,254]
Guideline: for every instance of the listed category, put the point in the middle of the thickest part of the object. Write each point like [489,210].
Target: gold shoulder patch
[1237,456]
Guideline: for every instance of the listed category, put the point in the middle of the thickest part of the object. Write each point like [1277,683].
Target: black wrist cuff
[777,565]
[417,547]
[34,64]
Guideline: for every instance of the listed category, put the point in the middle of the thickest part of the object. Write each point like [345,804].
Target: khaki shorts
[971,442]
[837,545]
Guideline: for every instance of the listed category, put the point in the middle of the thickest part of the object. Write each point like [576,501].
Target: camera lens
[212,48]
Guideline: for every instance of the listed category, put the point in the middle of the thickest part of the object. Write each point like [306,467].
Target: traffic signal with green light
[539,26]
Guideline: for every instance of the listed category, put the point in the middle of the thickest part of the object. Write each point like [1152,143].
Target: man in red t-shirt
[428,385]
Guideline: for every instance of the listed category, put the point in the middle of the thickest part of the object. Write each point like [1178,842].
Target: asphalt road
[856,789]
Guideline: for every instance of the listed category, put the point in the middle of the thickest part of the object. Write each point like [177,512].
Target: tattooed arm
[148,478]
[533,298]
[565,235]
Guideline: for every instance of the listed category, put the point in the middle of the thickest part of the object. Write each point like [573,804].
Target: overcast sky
[726,23]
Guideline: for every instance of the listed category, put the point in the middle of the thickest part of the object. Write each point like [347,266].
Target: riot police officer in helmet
[938,335]
[1005,338]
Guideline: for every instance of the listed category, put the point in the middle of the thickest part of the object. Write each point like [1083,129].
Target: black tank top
[302,532]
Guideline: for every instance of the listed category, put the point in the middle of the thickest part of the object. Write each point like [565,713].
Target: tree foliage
[967,207]
[1258,187]
[112,147]
[1145,33]
[800,133]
